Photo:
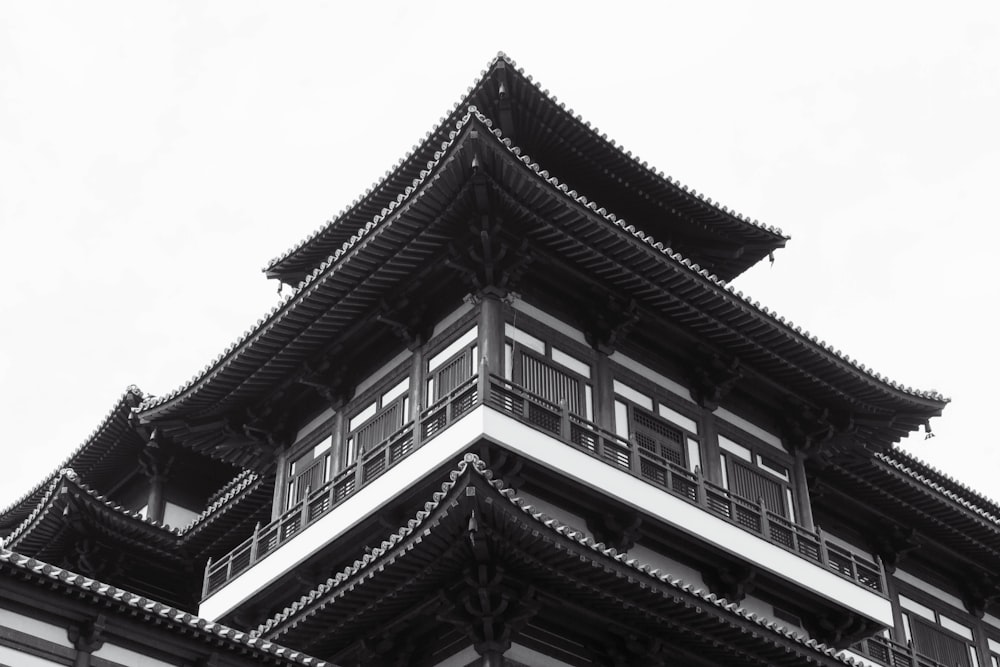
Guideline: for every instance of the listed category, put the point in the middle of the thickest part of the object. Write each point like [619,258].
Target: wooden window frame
[939,607]
[759,452]
[692,441]
[551,340]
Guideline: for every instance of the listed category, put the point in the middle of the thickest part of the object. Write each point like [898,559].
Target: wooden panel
[933,642]
[379,427]
[452,374]
[657,437]
[753,485]
[551,384]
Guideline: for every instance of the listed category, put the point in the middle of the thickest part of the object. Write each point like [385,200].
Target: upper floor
[615,436]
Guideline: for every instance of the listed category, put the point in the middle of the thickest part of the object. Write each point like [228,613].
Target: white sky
[154,156]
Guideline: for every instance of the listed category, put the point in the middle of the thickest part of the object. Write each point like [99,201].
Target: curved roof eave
[384,190]
[731,300]
[104,435]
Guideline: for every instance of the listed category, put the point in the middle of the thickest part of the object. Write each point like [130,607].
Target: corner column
[491,335]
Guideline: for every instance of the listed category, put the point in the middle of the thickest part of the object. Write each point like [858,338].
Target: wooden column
[156,505]
[418,383]
[280,483]
[801,489]
[604,393]
[491,330]
[711,461]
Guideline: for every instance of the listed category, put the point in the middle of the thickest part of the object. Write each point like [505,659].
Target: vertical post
[765,523]
[800,488]
[337,440]
[304,516]
[711,454]
[156,504]
[564,431]
[280,483]
[418,389]
[701,495]
[208,572]
[821,546]
[604,393]
[254,543]
[491,332]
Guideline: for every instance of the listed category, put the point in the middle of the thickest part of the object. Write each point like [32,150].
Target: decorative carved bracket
[979,590]
[488,608]
[815,432]
[487,262]
[632,649]
[408,321]
[87,637]
[327,380]
[618,531]
[838,629]
[713,379]
[733,581]
[608,321]
[892,543]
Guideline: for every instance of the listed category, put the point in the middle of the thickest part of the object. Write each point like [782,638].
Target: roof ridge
[472,462]
[130,390]
[155,608]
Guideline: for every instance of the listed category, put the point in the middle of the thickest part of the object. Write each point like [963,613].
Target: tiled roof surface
[90,450]
[68,477]
[939,482]
[732,298]
[471,463]
[383,188]
[151,610]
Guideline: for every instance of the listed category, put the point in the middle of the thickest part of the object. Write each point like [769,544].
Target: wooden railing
[316,503]
[887,652]
[555,420]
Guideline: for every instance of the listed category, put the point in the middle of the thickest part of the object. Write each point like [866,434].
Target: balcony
[883,651]
[506,410]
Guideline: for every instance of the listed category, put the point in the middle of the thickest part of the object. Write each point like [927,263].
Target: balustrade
[559,422]
[893,654]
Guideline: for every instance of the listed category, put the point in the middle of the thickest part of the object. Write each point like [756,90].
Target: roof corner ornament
[713,379]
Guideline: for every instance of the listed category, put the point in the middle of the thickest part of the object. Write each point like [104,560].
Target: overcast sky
[155,156]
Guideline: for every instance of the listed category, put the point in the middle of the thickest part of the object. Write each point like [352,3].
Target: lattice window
[756,477]
[548,371]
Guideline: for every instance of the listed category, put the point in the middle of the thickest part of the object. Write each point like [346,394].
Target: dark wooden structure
[513,412]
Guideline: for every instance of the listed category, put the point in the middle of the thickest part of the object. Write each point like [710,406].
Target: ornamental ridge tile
[472,462]
[130,392]
[737,297]
[140,603]
[658,173]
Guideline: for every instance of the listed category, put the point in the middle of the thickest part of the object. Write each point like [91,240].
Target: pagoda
[511,411]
